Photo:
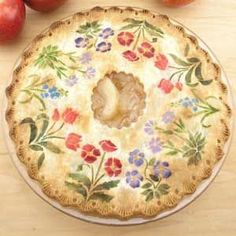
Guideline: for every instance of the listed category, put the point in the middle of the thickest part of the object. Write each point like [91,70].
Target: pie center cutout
[118,99]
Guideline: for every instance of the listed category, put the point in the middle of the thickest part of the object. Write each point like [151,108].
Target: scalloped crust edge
[174,198]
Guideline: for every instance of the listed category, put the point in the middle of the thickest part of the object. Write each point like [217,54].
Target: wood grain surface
[23,213]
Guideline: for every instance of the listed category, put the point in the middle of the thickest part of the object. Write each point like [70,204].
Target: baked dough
[117,112]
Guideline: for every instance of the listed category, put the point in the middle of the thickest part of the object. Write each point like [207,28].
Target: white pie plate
[137,220]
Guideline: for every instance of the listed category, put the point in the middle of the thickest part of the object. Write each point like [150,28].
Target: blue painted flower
[81,42]
[50,92]
[189,103]
[89,73]
[103,47]
[133,178]
[155,145]
[106,33]
[168,117]
[161,169]
[149,127]
[85,58]
[136,157]
[71,81]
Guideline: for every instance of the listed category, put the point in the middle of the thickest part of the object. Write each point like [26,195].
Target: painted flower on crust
[168,117]
[146,49]
[69,115]
[125,38]
[89,73]
[161,62]
[73,141]
[90,153]
[136,157]
[113,167]
[133,178]
[55,115]
[166,85]
[108,146]
[81,42]
[85,58]
[155,145]
[149,127]
[107,32]
[179,86]
[103,47]
[71,81]
[130,55]
[161,169]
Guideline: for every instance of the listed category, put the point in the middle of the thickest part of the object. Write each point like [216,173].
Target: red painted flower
[69,115]
[113,166]
[73,141]
[55,115]
[166,85]
[161,62]
[90,153]
[125,38]
[130,55]
[146,49]
[179,86]
[108,146]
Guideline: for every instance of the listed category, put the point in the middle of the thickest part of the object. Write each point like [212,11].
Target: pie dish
[118,112]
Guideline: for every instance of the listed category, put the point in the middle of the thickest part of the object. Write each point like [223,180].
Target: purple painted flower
[133,178]
[85,58]
[168,117]
[149,127]
[155,145]
[89,73]
[106,33]
[160,169]
[103,47]
[81,42]
[136,157]
[71,81]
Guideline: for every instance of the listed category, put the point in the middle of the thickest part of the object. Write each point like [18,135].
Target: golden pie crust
[150,163]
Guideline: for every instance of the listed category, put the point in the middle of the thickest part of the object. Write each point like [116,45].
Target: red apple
[12,17]
[176,3]
[44,5]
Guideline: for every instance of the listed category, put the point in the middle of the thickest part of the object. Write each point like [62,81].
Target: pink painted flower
[55,115]
[90,153]
[108,146]
[161,61]
[125,38]
[130,55]
[146,49]
[73,141]
[113,166]
[179,86]
[166,85]
[69,115]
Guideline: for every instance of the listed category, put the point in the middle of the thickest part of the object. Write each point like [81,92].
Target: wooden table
[23,213]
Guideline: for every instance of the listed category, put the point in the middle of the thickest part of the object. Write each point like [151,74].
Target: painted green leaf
[147,185]
[77,187]
[193,60]
[179,61]
[127,27]
[152,161]
[157,194]
[35,147]
[40,160]
[79,167]
[50,146]
[81,178]
[163,189]
[101,196]
[146,192]
[27,120]
[205,82]
[43,128]
[188,76]
[107,185]
[186,50]
[172,153]
[149,196]
[198,72]
[133,21]
[189,153]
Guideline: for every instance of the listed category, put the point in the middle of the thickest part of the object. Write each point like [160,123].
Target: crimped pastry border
[175,196]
